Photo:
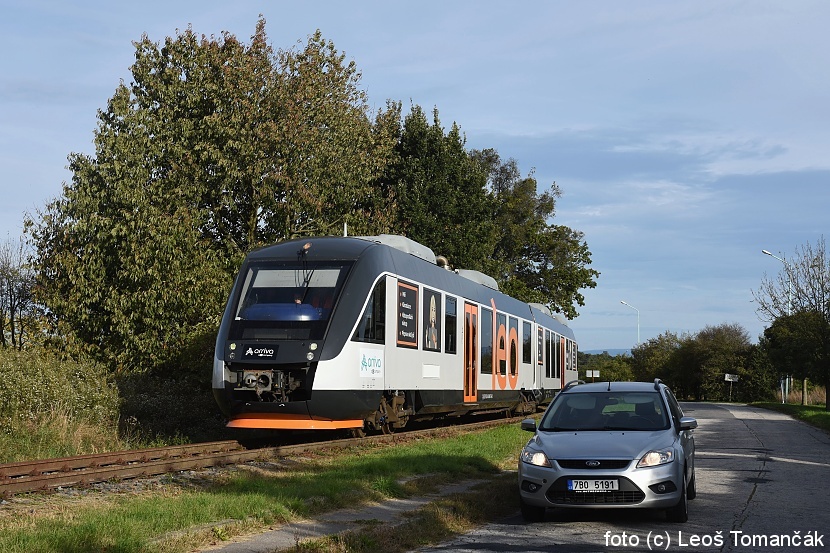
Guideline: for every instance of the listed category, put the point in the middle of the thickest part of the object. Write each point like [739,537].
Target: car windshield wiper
[618,428]
[571,429]
[558,429]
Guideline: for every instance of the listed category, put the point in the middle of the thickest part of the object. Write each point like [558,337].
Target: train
[367,334]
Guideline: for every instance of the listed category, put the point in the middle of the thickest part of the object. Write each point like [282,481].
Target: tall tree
[612,368]
[652,358]
[534,259]
[215,148]
[18,312]
[711,354]
[797,344]
[441,194]
[803,286]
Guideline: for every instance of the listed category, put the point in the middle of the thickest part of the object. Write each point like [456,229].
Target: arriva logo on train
[371,363]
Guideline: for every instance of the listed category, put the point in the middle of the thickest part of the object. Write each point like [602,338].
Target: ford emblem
[592,464]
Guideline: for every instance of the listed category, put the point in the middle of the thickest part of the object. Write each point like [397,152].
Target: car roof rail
[573,383]
[657,383]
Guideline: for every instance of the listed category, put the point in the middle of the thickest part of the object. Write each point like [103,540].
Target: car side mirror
[688,423]
[529,425]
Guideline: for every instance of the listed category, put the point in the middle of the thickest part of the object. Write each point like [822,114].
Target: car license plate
[593,485]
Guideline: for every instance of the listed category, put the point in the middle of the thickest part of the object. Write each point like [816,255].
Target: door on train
[470,352]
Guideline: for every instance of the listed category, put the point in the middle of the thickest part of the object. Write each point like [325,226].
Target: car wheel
[531,513]
[691,492]
[680,512]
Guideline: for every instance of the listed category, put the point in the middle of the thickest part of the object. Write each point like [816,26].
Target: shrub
[53,406]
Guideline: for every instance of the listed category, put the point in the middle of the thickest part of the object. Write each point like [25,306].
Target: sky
[685,136]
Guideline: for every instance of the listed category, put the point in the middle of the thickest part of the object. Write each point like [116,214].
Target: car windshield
[597,411]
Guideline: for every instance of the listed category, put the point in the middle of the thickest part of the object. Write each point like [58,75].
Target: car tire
[680,512]
[532,513]
[691,492]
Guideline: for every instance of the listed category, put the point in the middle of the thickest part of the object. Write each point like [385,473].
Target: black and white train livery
[369,333]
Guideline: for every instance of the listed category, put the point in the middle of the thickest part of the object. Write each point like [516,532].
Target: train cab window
[450,328]
[371,326]
[292,301]
[527,337]
[486,341]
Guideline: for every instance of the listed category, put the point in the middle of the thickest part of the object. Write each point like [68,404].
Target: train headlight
[309,356]
[313,346]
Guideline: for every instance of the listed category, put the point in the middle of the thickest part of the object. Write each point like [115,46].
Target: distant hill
[612,352]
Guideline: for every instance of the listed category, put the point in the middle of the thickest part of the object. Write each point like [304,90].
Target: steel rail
[83,470]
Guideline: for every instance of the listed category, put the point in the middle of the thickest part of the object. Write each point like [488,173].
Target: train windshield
[289,301]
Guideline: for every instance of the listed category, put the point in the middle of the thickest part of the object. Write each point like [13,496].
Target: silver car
[609,445]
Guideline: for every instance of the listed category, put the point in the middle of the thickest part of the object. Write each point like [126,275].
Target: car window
[677,412]
[606,411]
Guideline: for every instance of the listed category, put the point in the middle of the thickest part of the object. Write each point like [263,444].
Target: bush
[164,409]
[52,406]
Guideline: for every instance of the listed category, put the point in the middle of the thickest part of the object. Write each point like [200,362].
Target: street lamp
[785,388]
[789,282]
[638,319]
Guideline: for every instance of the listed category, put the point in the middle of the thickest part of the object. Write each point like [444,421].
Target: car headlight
[656,457]
[537,458]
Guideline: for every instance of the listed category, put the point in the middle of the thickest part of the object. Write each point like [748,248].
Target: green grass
[815,415]
[183,519]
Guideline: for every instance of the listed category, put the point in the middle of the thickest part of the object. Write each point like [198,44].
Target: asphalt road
[763,482]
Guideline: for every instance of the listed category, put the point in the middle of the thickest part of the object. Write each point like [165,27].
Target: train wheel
[358,432]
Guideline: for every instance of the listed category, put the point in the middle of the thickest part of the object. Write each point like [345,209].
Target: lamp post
[789,282]
[638,319]
[785,388]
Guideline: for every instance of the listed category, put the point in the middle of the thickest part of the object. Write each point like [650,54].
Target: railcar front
[291,308]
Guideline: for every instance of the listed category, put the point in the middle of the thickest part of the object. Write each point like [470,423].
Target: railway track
[83,470]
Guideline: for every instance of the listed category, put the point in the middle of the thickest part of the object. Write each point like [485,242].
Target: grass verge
[180,518]
[815,415]
[432,524]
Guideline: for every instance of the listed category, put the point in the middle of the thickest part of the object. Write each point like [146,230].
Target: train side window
[567,355]
[548,367]
[513,337]
[370,327]
[527,337]
[557,359]
[501,325]
[450,329]
[432,320]
[486,341]
[574,356]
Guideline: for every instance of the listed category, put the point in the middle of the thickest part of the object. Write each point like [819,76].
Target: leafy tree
[613,368]
[711,354]
[18,312]
[441,194]
[330,154]
[651,359]
[533,259]
[215,148]
[759,380]
[803,286]
[797,344]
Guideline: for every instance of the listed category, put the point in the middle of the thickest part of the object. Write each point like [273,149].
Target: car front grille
[602,464]
[628,494]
